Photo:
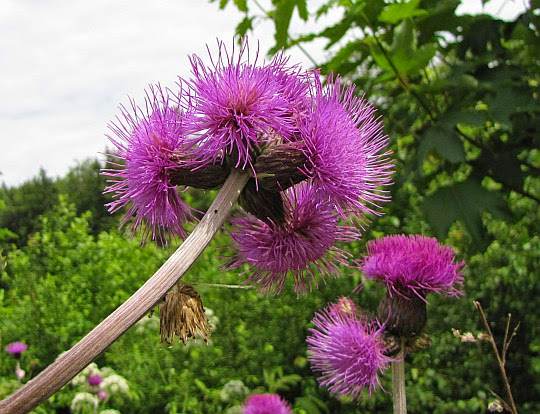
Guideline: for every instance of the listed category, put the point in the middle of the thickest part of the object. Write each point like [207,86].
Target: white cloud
[65,65]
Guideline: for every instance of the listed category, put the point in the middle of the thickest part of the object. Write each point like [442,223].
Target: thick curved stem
[398,382]
[56,375]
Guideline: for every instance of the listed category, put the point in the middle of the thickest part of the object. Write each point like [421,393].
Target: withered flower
[182,314]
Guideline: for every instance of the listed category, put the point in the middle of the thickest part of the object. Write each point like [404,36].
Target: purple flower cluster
[266,404]
[146,141]
[345,146]
[412,263]
[230,113]
[236,105]
[347,349]
[304,246]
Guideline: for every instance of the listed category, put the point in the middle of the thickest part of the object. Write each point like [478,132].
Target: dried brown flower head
[182,314]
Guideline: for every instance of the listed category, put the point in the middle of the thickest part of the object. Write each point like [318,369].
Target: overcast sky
[65,65]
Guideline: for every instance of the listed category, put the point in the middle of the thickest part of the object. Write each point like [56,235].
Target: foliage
[20,208]
[459,95]
[65,280]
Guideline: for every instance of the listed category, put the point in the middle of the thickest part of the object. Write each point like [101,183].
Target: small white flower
[19,373]
[116,383]
[468,337]
[495,407]
[91,369]
[235,389]
[82,400]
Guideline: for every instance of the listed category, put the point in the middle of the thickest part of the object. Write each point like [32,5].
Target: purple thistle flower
[236,106]
[302,246]
[147,141]
[266,404]
[346,149]
[95,380]
[348,351]
[16,349]
[412,263]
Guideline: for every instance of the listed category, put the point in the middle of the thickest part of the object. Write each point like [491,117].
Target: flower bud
[264,204]
[404,316]
[280,167]
[204,177]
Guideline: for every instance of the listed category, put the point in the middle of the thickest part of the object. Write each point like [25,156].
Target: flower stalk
[398,382]
[61,371]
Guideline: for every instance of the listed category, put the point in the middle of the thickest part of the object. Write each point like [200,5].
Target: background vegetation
[459,99]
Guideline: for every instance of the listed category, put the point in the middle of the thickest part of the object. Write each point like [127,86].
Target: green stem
[61,371]
[398,382]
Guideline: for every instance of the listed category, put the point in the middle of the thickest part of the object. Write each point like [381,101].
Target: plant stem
[398,382]
[498,357]
[56,375]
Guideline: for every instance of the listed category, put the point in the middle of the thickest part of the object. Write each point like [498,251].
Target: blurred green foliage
[459,98]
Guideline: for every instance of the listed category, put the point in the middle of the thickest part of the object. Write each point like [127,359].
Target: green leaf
[336,32]
[400,11]
[444,141]
[406,57]
[344,60]
[502,166]
[481,34]
[302,9]
[464,201]
[310,404]
[241,5]
[282,18]
[244,26]
[223,3]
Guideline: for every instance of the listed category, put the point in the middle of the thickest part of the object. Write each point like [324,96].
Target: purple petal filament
[303,246]
[145,141]
[416,263]
[348,351]
[266,404]
[346,149]
[237,106]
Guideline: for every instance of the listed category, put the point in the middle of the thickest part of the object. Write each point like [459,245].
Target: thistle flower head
[302,246]
[16,349]
[94,380]
[146,142]
[346,149]
[348,351]
[237,106]
[414,263]
[266,404]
